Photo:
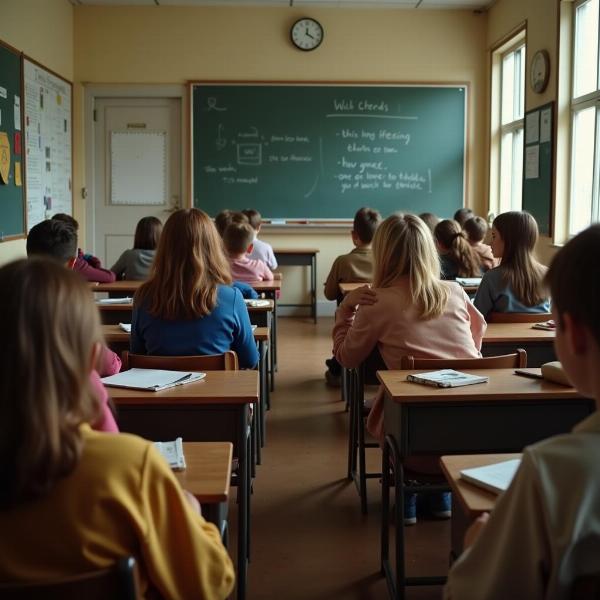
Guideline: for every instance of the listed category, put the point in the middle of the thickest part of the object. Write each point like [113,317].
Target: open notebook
[126,300]
[153,380]
[468,281]
[172,453]
[446,378]
[494,478]
[257,303]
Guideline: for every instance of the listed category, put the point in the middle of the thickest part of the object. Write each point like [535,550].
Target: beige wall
[542,34]
[43,29]
[175,44]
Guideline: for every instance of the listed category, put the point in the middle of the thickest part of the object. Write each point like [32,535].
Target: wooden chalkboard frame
[70,84]
[327,222]
[23,234]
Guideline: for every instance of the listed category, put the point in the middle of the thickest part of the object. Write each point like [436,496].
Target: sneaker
[440,505]
[333,380]
[410,509]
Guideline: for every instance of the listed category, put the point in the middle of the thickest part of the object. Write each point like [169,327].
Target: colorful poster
[4,157]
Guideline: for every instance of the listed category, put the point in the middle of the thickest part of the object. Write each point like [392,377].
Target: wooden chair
[227,361]
[118,582]
[586,587]
[517,360]
[501,317]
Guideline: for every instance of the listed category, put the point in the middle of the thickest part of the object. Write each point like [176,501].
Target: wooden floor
[309,539]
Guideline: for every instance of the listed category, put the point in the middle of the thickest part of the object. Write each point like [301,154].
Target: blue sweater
[493,295]
[227,327]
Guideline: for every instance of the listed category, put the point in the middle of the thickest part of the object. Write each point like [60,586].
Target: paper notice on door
[17,113]
[18,182]
[532,162]
[545,126]
[532,127]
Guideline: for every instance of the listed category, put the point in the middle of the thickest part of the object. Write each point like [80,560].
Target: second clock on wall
[307,34]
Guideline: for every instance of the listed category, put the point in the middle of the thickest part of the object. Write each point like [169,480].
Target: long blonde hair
[403,245]
[188,266]
[48,327]
[520,270]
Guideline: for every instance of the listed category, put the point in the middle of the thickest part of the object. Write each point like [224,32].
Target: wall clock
[307,34]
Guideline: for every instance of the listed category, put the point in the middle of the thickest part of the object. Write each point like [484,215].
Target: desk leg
[313,285]
[274,329]
[243,504]
[264,391]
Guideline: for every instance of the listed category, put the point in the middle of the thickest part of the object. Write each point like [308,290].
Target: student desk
[348,287]
[505,338]
[215,409]
[301,257]
[468,500]
[503,415]
[118,341]
[117,289]
[270,290]
[207,476]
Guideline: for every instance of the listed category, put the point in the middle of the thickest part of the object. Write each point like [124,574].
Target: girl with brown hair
[457,257]
[73,500]
[135,264]
[517,284]
[188,306]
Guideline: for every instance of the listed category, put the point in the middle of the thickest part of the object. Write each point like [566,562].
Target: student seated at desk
[260,250]
[73,500]
[354,267]
[430,220]
[544,532]
[56,239]
[517,284]
[457,257]
[135,264]
[476,229]
[462,215]
[87,265]
[238,241]
[409,311]
[187,307]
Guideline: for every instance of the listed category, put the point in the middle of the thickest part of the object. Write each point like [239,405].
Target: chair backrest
[586,588]
[118,582]
[506,361]
[227,361]
[501,317]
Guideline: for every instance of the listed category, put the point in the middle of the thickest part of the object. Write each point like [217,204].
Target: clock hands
[308,34]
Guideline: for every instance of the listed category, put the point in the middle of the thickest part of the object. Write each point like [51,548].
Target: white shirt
[545,530]
[263,251]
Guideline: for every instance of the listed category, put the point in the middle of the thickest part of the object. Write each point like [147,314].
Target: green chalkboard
[12,196]
[538,165]
[322,151]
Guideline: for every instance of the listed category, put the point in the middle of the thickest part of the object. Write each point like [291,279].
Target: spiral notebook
[152,380]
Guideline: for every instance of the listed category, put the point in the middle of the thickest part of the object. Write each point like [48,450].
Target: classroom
[152,78]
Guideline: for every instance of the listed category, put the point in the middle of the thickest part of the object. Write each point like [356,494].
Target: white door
[137,169]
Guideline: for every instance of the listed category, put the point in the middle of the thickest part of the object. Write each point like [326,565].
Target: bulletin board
[48,142]
[12,189]
[538,165]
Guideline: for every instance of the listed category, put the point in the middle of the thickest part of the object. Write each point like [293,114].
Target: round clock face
[540,71]
[307,34]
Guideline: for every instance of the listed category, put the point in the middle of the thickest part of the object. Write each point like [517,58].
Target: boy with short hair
[225,217]
[354,267]
[544,532]
[261,250]
[87,265]
[476,229]
[238,238]
[57,239]
[462,215]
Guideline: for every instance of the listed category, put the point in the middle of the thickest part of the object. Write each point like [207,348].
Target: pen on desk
[529,374]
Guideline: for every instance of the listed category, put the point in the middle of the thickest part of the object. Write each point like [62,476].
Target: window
[585,118]
[508,104]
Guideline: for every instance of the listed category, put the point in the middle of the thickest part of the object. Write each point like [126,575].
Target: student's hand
[360,296]
[193,502]
[276,275]
[474,530]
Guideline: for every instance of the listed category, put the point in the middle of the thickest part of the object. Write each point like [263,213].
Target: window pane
[519,100]
[508,88]
[506,171]
[517,171]
[585,71]
[582,170]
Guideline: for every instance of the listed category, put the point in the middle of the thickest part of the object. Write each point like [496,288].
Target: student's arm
[91,274]
[267,274]
[106,421]
[477,322]
[243,338]
[119,267]
[512,555]
[109,363]
[331,290]
[484,298]
[271,260]
[136,340]
[182,553]
[355,333]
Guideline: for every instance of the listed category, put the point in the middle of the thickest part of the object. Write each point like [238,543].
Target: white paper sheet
[532,127]
[546,125]
[532,162]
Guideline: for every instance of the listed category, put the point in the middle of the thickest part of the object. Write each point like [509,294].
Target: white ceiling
[422,4]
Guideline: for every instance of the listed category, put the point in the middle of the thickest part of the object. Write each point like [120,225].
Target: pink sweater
[110,364]
[249,270]
[393,326]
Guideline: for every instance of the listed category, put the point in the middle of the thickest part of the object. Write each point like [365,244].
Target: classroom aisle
[309,540]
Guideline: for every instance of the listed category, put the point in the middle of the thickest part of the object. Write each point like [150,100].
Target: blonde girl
[457,257]
[408,311]
[188,307]
[73,500]
[517,284]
